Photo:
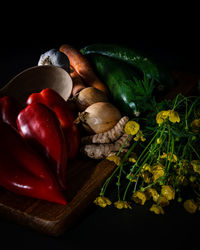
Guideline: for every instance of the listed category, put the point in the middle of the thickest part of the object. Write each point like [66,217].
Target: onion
[99,117]
[89,96]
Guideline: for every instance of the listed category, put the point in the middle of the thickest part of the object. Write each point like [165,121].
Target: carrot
[78,84]
[82,66]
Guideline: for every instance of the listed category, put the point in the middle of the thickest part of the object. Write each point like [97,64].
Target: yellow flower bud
[159,141]
[169,156]
[139,136]
[131,159]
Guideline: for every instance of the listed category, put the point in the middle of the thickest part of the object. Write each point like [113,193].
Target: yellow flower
[195,125]
[146,167]
[173,116]
[152,192]
[157,171]
[146,173]
[190,206]
[139,197]
[169,156]
[163,201]
[147,176]
[122,204]
[168,192]
[162,116]
[156,209]
[131,128]
[139,136]
[116,159]
[102,201]
[196,166]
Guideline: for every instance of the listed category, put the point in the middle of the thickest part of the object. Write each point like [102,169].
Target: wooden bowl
[37,78]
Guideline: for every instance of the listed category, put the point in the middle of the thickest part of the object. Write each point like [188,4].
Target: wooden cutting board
[85,178]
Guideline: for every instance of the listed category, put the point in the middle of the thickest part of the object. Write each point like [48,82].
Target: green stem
[185,150]
[136,164]
[168,145]
[105,185]
[147,147]
[182,100]
[174,106]
[150,185]
[123,144]
[194,150]
[172,152]
[186,114]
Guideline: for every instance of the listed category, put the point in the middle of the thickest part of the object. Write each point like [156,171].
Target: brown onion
[100,117]
[89,96]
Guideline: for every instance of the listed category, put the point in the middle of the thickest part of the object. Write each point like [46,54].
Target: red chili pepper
[23,171]
[9,109]
[40,127]
[54,101]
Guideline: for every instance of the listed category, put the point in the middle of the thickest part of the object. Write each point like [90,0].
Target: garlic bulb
[56,58]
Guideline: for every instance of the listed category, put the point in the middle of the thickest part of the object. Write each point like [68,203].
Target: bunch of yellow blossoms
[172,115]
[167,167]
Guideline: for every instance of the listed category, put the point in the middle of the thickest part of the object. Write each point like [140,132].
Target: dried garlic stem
[102,150]
[109,136]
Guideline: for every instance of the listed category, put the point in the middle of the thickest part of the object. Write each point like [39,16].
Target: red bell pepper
[24,171]
[40,127]
[54,101]
[9,109]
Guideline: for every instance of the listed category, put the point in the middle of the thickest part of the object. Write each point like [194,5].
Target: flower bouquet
[163,162]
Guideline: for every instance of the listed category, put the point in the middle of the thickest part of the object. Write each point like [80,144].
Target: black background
[172,36]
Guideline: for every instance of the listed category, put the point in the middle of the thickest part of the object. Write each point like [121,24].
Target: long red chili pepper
[41,128]
[55,102]
[23,171]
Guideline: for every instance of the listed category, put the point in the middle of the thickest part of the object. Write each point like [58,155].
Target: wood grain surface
[85,178]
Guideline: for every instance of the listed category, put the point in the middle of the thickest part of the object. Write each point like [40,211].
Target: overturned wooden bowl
[37,78]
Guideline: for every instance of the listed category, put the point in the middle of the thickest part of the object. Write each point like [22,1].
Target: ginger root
[102,150]
[109,136]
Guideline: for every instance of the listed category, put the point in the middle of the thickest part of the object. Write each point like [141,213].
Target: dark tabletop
[103,228]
